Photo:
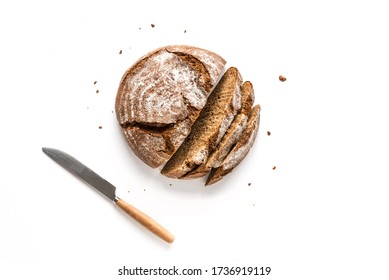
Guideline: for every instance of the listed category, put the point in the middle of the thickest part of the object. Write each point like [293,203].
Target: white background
[321,214]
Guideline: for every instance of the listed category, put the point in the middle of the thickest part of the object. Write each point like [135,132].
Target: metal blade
[83,172]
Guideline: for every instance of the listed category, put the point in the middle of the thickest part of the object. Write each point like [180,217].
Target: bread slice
[239,151]
[214,120]
[161,96]
[232,135]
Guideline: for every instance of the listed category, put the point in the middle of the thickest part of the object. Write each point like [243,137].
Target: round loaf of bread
[178,108]
[160,97]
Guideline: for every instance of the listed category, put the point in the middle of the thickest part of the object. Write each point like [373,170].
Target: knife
[107,189]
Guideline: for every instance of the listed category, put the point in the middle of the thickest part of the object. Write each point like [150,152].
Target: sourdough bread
[232,135]
[178,110]
[207,131]
[161,96]
[239,151]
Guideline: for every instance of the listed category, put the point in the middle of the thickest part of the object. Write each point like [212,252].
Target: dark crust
[247,104]
[218,173]
[163,130]
[182,159]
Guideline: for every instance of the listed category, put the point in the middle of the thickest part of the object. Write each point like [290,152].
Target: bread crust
[176,111]
[215,118]
[160,97]
[232,135]
[239,151]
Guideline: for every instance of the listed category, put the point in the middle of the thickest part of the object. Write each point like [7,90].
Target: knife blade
[107,189]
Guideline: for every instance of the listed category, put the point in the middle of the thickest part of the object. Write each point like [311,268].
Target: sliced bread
[207,131]
[231,136]
[239,151]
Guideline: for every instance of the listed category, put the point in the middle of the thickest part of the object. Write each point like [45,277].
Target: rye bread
[239,151]
[232,135]
[160,97]
[207,131]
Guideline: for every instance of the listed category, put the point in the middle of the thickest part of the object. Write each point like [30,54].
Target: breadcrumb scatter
[282,78]
[97,91]
[268,133]
[249,184]
[274,167]
[152,25]
[95,82]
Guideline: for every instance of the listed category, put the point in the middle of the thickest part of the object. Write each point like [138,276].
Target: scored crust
[161,96]
[174,111]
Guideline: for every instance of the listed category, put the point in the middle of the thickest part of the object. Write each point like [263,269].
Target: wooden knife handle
[145,220]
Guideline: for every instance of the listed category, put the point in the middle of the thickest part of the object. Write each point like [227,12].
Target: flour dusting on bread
[162,95]
[179,109]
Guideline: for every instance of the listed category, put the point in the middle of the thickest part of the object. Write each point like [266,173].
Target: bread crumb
[185,31]
[100,127]
[152,25]
[97,91]
[170,185]
[95,82]
[268,133]
[274,167]
[249,184]
[140,28]
[144,190]
[282,78]
[120,52]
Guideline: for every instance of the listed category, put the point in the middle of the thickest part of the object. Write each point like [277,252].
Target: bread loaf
[161,96]
[175,111]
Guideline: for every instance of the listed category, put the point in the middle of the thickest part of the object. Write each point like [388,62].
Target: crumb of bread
[100,127]
[95,82]
[282,78]
[152,25]
[97,91]
[249,184]
[120,52]
[268,133]
[274,167]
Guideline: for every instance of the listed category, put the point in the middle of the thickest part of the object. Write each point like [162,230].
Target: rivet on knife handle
[107,189]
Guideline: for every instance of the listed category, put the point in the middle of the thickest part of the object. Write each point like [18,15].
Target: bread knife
[107,189]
